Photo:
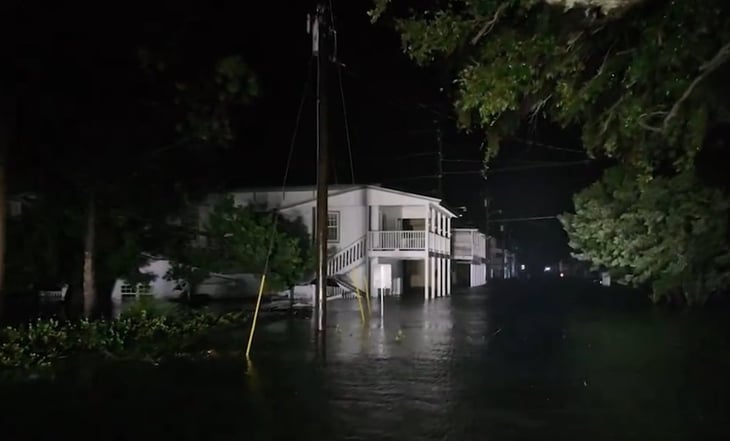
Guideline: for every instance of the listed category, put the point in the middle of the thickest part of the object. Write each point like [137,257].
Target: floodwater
[518,362]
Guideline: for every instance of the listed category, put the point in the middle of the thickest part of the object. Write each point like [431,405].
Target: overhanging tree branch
[489,25]
[706,69]
[606,6]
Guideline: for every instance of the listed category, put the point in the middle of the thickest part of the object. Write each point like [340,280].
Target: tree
[7,129]
[202,110]
[670,232]
[237,240]
[117,149]
[642,79]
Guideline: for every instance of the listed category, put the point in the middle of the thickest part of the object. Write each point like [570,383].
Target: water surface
[517,362]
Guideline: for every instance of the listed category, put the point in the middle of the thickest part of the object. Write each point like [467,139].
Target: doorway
[462,275]
[413,276]
[413,224]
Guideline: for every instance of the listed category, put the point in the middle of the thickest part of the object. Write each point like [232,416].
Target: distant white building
[470,257]
[501,263]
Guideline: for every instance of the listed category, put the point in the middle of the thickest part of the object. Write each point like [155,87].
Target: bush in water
[138,334]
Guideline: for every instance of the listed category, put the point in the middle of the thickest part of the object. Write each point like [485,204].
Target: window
[140,289]
[333,226]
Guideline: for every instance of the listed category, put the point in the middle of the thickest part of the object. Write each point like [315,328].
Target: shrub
[137,334]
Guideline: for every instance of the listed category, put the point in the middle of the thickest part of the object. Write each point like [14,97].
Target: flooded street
[517,362]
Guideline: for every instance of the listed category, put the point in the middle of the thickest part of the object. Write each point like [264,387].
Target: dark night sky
[391,103]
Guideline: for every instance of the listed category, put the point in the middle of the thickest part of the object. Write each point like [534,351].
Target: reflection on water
[467,367]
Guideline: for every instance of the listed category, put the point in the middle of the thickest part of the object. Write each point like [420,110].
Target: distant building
[470,257]
[501,263]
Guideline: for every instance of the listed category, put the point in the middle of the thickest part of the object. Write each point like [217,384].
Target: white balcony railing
[408,241]
[397,240]
[439,244]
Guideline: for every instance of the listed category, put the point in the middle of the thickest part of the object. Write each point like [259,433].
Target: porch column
[432,293]
[369,276]
[439,276]
[375,218]
[448,276]
[426,278]
[444,276]
[426,269]
[448,238]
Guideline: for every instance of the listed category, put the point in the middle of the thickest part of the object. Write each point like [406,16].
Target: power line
[342,90]
[440,160]
[531,167]
[492,171]
[410,155]
[296,125]
[347,124]
[543,145]
[522,219]
[411,178]
[469,161]
[518,168]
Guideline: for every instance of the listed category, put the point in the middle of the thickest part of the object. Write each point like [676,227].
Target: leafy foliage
[138,151]
[139,334]
[670,232]
[237,239]
[642,82]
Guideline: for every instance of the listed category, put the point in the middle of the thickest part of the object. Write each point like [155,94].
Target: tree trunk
[89,269]
[3,221]
[7,113]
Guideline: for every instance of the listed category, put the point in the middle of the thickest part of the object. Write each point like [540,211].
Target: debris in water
[399,336]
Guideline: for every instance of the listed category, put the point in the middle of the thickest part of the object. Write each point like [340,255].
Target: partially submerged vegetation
[142,334]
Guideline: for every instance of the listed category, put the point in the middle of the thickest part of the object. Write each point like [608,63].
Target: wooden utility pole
[320,30]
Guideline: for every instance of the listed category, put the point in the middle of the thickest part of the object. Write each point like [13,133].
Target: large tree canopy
[245,239]
[640,78]
[122,149]
[668,232]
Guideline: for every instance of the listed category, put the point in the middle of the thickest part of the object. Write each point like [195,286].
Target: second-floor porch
[469,244]
[413,230]
[408,240]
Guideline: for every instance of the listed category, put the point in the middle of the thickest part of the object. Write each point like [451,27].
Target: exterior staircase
[344,261]
[347,258]
[339,285]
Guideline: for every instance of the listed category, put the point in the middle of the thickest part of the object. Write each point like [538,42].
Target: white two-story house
[469,256]
[382,240]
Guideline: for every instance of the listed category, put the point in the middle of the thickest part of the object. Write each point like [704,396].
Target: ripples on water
[462,368]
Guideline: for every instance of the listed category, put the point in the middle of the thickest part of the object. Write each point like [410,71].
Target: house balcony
[469,245]
[407,242]
[468,253]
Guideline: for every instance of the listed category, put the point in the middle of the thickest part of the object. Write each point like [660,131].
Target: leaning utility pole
[319,27]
